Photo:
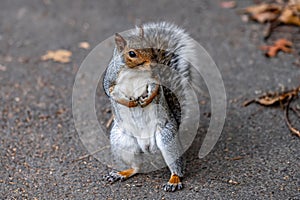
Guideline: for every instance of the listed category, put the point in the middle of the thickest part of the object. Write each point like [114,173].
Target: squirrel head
[140,58]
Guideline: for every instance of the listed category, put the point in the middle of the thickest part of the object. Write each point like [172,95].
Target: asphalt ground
[256,156]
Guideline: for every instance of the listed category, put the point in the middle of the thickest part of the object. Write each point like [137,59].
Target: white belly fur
[142,123]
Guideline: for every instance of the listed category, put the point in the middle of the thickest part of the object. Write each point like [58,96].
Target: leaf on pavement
[228,4]
[283,99]
[61,56]
[260,8]
[291,15]
[271,99]
[84,45]
[265,17]
[263,12]
[279,45]
[287,14]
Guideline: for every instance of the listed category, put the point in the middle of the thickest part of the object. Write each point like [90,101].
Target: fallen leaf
[291,15]
[228,4]
[61,55]
[233,182]
[279,45]
[283,99]
[256,9]
[271,99]
[263,12]
[287,14]
[84,45]
[3,68]
[265,17]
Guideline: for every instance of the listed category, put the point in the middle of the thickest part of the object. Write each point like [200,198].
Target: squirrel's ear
[141,31]
[120,42]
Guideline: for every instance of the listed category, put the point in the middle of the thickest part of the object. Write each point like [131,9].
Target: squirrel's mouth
[144,66]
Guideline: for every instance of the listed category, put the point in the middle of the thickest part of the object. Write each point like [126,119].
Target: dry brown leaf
[263,12]
[233,182]
[283,99]
[274,98]
[291,15]
[228,4]
[279,45]
[61,55]
[288,14]
[265,17]
[84,45]
[256,9]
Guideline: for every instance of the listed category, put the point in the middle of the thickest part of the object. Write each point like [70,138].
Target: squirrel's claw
[171,187]
[147,98]
[173,184]
[114,177]
[120,176]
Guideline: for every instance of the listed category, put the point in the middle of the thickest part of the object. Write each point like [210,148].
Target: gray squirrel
[144,95]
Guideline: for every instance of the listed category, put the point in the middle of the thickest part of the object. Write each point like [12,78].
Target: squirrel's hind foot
[173,184]
[119,176]
[114,177]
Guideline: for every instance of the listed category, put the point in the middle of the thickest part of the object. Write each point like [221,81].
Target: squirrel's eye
[132,54]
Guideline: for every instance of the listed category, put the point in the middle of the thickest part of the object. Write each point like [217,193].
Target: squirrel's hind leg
[171,150]
[125,148]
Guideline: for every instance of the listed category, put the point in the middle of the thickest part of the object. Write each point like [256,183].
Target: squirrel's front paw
[130,102]
[113,177]
[148,95]
[173,184]
[144,100]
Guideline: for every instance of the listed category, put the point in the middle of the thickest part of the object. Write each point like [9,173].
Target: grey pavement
[256,157]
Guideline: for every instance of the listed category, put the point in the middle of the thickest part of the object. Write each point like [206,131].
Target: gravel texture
[256,157]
